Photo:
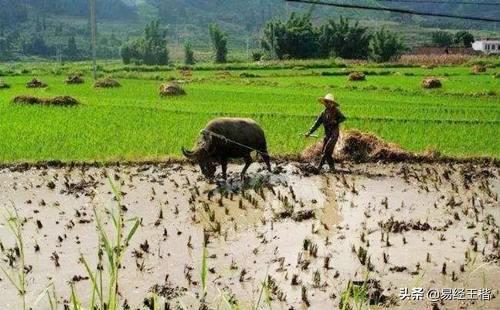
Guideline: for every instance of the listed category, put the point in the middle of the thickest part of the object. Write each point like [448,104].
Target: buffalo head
[204,159]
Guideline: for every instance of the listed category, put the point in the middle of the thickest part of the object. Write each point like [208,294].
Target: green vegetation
[442,38]
[55,29]
[113,248]
[134,123]
[15,226]
[189,54]
[464,38]
[219,43]
[297,38]
[386,46]
[149,50]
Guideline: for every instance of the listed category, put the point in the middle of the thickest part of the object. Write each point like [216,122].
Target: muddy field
[306,236]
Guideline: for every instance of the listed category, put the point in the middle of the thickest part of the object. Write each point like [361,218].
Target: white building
[487,46]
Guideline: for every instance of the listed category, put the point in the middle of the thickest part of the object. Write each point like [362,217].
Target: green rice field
[461,119]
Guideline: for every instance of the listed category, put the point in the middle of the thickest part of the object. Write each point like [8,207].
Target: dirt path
[307,234]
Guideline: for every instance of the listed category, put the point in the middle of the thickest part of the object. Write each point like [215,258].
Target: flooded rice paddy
[306,236]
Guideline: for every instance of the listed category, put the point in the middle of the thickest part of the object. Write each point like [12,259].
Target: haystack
[356,76]
[57,101]
[478,69]
[431,82]
[74,79]
[223,73]
[249,75]
[357,146]
[35,83]
[4,85]
[106,83]
[63,101]
[186,73]
[171,89]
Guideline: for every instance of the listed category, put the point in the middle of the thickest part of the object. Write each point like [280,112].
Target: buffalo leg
[248,162]
[223,163]
[265,156]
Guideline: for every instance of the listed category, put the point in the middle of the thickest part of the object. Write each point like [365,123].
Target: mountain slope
[45,27]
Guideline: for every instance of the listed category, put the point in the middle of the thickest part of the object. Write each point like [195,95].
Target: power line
[442,2]
[403,11]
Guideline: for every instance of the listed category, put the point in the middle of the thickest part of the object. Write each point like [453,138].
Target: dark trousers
[328,147]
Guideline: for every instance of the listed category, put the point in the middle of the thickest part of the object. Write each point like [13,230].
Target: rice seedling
[18,280]
[112,248]
[204,273]
[355,295]
[264,293]
[133,122]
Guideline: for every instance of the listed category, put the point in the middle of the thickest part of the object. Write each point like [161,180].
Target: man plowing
[330,118]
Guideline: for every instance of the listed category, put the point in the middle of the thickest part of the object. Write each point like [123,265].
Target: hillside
[59,28]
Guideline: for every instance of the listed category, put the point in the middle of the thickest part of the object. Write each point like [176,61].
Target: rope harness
[226,139]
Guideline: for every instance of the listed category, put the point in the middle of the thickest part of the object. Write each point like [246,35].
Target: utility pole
[93,28]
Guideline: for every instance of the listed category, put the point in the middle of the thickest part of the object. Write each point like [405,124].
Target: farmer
[330,118]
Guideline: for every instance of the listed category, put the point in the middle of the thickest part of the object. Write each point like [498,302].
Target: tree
[298,38]
[155,45]
[344,40]
[385,46]
[150,49]
[126,53]
[442,38]
[5,47]
[295,38]
[464,38]
[133,51]
[71,50]
[36,46]
[219,42]
[189,54]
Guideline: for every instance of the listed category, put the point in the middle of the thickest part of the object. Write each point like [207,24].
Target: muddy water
[410,219]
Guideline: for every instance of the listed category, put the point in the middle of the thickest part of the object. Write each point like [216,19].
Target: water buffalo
[225,138]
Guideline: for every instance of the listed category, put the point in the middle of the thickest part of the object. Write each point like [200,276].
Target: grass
[134,123]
